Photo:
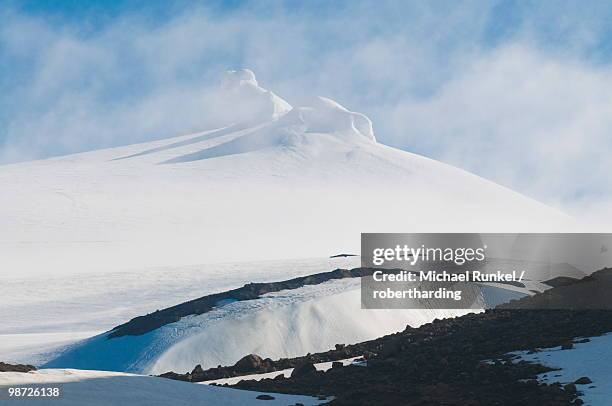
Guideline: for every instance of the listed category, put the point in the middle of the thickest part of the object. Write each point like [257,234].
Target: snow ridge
[240,89]
[323,115]
[318,115]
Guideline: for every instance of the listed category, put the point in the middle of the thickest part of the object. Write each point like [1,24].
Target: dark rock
[561,281]
[144,324]
[303,369]
[391,348]
[337,364]
[585,380]
[588,293]
[265,397]
[339,346]
[570,387]
[175,376]
[16,368]
[249,363]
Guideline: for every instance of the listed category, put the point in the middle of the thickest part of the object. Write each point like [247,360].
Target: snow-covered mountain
[283,182]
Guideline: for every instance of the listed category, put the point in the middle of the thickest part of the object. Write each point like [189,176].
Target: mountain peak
[324,115]
[255,104]
[233,78]
[249,101]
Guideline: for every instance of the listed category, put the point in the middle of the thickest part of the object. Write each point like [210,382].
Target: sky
[519,92]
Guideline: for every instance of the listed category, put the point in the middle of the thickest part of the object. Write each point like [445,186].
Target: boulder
[303,369]
[570,388]
[249,363]
[585,380]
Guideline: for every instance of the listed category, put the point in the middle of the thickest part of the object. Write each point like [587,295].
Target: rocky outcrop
[267,365]
[143,324]
[585,380]
[249,364]
[590,292]
[16,368]
[560,281]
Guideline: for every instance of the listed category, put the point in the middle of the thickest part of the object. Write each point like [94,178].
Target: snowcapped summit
[234,78]
[323,115]
[241,92]
[281,182]
[254,104]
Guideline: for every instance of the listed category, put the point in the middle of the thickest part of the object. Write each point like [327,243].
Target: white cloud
[539,124]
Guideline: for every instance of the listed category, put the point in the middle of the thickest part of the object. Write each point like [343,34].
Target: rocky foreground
[461,361]
[458,361]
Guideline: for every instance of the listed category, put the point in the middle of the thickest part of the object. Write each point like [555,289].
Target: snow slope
[98,388]
[592,359]
[281,183]
[56,311]
[288,323]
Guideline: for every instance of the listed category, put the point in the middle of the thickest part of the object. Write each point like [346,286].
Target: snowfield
[99,388]
[288,323]
[284,183]
[57,311]
[592,359]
